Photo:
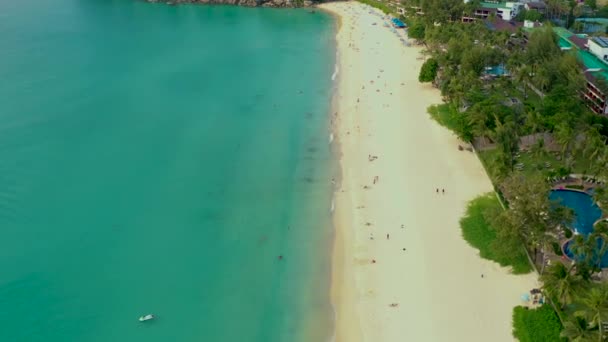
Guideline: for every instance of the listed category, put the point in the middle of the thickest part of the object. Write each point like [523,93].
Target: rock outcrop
[248,3]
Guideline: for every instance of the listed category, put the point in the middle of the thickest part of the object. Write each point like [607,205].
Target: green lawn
[478,233]
[537,325]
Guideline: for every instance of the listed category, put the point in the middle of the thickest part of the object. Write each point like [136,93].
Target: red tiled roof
[580,42]
[502,25]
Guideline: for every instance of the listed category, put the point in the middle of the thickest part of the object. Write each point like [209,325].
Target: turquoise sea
[159,159]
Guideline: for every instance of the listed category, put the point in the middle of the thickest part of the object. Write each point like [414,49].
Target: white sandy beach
[436,281]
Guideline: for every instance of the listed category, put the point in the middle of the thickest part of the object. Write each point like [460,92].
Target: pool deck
[563,185]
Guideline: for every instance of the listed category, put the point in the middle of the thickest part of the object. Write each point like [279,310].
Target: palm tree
[534,121]
[600,195]
[478,119]
[600,234]
[543,79]
[507,138]
[600,165]
[582,249]
[560,283]
[576,329]
[565,135]
[595,307]
[538,149]
[522,76]
[595,143]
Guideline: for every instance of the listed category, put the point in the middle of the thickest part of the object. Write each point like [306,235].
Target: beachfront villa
[593,54]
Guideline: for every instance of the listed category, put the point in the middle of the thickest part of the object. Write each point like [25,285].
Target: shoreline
[412,286]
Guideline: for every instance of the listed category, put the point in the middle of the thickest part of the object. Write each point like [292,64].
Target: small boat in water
[146,318]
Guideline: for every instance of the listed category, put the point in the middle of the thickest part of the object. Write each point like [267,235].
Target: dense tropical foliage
[501,88]
[536,325]
[481,234]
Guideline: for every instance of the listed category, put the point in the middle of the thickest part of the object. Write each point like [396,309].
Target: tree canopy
[428,71]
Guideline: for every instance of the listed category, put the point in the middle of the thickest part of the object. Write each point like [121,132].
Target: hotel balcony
[592,88]
[594,107]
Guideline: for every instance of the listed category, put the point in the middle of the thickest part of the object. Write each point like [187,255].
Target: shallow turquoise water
[157,159]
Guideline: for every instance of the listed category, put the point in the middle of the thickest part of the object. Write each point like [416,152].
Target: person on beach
[388,237]
[437,190]
[443,191]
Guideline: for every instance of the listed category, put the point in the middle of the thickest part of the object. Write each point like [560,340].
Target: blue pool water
[587,213]
[497,70]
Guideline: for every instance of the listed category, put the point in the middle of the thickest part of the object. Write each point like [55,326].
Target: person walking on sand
[437,190]
[443,191]
[388,237]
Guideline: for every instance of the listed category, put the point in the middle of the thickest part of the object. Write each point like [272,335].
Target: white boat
[146,318]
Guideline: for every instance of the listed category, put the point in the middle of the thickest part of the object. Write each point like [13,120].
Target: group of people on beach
[442,190]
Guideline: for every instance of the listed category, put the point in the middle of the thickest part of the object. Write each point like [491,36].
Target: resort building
[599,47]
[537,6]
[503,10]
[592,25]
[593,55]
[417,10]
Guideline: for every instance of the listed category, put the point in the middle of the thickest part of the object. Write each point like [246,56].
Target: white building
[504,10]
[599,47]
[509,10]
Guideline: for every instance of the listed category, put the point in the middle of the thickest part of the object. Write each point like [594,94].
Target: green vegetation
[502,92]
[536,325]
[428,71]
[448,116]
[544,164]
[575,187]
[381,5]
[416,30]
[529,15]
[478,232]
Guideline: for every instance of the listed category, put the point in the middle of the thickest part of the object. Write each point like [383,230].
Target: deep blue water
[158,159]
[586,214]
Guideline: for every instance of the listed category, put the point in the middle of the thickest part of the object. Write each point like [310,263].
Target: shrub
[575,186]
[536,325]
[562,172]
[479,234]
[416,30]
[428,71]
[556,248]
[568,233]
[449,117]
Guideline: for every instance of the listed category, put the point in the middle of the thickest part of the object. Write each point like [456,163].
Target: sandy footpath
[402,271]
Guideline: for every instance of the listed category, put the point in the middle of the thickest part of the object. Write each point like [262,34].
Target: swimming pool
[497,70]
[587,213]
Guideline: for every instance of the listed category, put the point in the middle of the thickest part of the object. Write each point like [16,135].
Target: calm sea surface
[158,159]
